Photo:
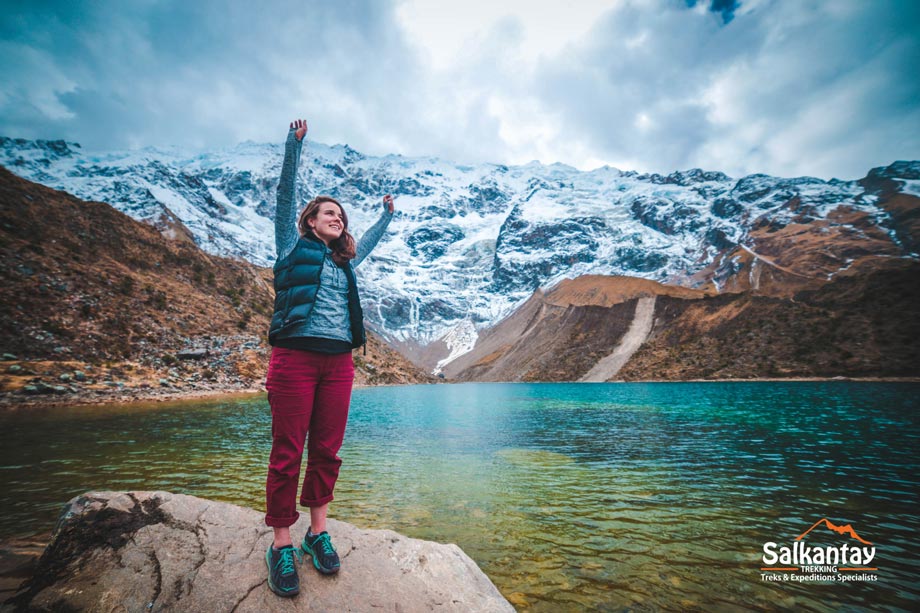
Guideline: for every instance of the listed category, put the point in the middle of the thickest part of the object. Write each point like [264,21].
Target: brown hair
[343,248]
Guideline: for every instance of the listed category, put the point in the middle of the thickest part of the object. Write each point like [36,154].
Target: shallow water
[656,496]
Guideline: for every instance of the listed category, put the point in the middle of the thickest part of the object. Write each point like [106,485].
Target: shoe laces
[326,543]
[287,559]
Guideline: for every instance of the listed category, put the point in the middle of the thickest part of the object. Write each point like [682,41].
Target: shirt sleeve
[370,238]
[286,234]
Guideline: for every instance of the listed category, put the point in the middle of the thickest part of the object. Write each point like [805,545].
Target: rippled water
[570,497]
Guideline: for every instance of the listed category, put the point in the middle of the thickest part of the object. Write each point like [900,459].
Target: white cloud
[21,93]
[445,32]
[823,88]
[784,88]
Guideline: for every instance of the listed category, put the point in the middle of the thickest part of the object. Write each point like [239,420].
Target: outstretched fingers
[300,125]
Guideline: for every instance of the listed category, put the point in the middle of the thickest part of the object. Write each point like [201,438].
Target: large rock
[157,551]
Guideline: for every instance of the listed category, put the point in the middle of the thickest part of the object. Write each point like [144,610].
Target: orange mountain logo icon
[824,562]
[847,529]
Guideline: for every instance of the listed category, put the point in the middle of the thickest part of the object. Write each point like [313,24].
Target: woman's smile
[328,224]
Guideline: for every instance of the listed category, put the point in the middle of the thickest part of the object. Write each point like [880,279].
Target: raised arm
[370,238]
[286,234]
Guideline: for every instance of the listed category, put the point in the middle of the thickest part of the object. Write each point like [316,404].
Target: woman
[316,323]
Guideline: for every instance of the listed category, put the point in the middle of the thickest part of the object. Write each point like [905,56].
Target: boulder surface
[158,551]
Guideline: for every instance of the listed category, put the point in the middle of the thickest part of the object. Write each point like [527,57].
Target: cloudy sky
[787,87]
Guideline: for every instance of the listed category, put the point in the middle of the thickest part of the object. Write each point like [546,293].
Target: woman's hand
[388,201]
[301,128]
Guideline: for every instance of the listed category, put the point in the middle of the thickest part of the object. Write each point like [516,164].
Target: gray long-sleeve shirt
[329,316]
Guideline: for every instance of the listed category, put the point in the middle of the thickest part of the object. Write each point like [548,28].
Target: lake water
[571,497]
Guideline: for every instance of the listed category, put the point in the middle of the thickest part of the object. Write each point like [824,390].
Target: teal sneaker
[320,548]
[282,571]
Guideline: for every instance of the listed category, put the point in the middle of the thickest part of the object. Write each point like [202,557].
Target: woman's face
[328,224]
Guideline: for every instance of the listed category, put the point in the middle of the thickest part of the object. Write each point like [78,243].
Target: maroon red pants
[307,392]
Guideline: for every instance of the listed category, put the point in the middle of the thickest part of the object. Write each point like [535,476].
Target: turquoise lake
[571,497]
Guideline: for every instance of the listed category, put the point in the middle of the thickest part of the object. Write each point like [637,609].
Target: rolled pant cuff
[281,522]
[316,503]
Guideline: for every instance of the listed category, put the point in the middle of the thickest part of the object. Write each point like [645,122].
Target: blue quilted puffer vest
[296,283]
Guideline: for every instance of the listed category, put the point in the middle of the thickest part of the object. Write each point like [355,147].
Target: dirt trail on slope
[638,331]
[774,264]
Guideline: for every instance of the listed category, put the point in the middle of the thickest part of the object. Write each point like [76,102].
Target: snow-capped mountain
[469,243]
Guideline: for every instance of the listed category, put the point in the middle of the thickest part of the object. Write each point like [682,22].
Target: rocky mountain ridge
[95,306]
[472,243]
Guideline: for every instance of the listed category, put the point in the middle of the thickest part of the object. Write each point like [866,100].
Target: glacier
[468,243]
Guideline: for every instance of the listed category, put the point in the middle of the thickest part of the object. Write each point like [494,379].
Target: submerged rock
[157,551]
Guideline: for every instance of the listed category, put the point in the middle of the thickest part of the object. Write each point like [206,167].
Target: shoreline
[13,401]
[781,380]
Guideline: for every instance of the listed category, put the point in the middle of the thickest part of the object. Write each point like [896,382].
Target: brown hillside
[905,218]
[84,281]
[560,335]
[606,291]
[805,254]
[863,323]
[542,341]
[904,209]
[86,288]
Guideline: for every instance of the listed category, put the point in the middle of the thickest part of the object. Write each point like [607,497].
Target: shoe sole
[322,569]
[272,586]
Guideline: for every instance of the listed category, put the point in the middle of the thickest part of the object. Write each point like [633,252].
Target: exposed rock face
[862,323]
[638,331]
[156,551]
[567,333]
[472,243]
